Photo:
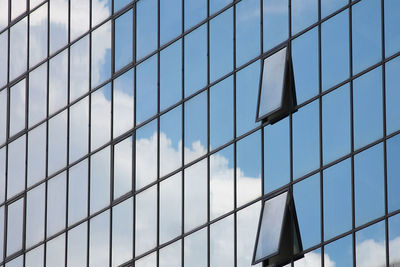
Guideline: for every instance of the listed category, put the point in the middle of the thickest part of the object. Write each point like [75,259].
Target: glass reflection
[369,185]
[171,75]
[58,82]
[3,52]
[335,50]
[119,4]
[122,232]
[147,261]
[247,84]
[304,13]
[221,113]
[222,243]
[79,16]
[58,24]
[56,204]
[221,44]
[101,9]
[170,141]
[17,107]
[146,154]
[35,212]
[2,177]
[336,125]
[77,192]
[394,240]
[34,3]
[339,253]
[195,127]
[79,68]
[221,182]
[367,108]
[2,233]
[55,252]
[305,65]
[35,258]
[392,31]
[311,259]
[170,256]
[123,103]
[195,249]
[248,168]
[330,6]
[275,22]
[123,40]
[18,262]
[170,19]
[99,240]
[337,199]
[146,220]
[216,5]
[307,200]
[392,69]
[3,116]
[38,35]
[3,14]
[37,95]
[370,246]
[195,59]
[57,143]
[195,195]
[18,49]
[146,27]
[101,53]
[16,167]
[195,11]
[78,129]
[366,34]
[393,172]
[17,8]
[247,30]
[306,139]
[77,245]
[146,89]
[100,117]
[99,180]
[15,224]
[123,167]
[170,207]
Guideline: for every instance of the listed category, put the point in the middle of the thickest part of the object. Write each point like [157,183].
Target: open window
[278,237]
[277,95]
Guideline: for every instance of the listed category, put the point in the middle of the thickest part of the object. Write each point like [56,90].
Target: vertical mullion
[112,147]
[134,134]
[183,134]
[158,131]
[208,136]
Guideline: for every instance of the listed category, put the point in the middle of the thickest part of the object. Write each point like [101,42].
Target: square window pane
[146,27]
[275,23]
[100,180]
[123,103]
[123,39]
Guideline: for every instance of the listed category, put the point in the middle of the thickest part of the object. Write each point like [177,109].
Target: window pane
[80,10]
[119,4]
[15,224]
[337,199]
[306,140]
[37,94]
[122,232]
[146,154]
[100,180]
[195,11]
[57,143]
[17,107]
[221,45]
[304,13]
[335,50]
[79,68]
[221,113]
[394,238]
[216,5]
[58,24]
[247,30]
[392,31]
[305,65]
[99,240]
[100,124]
[38,35]
[146,89]
[123,103]
[123,39]
[77,245]
[2,178]
[170,20]
[275,22]
[35,212]
[196,249]
[393,172]
[101,53]
[35,258]
[18,262]
[78,129]
[392,95]
[170,256]
[123,167]
[2,233]
[222,243]
[367,108]
[311,259]
[272,84]
[147,261]
[146,27]
[101,10]
[146,221]
[371,237]
[3,116]
[339,253]
[307,200]
[221,182]
[336,135]
[330,6]
[18,49]
[4,51]
[78,192]
[16,167]
[366,30]
[171,74]
[195,55]
[3,14]
[170,141]
[58,82]
[56,204]
[369,185]
[195,197]
[170,208]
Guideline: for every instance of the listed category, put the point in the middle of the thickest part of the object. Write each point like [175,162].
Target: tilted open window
[278,237]
[277,96]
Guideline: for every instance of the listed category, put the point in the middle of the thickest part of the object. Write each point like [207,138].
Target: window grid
[181,102]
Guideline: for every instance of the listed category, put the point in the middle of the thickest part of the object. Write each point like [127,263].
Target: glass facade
[128,133]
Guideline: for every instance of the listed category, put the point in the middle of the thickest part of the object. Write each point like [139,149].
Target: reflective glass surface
[195,249]
[100,121]
[99,240]
[195,11]
[57,142]
[394,239]
[38,35]
[339,253]
[392,69]
[56,206]
[77,245]
[18,49]
[58,82]
[370,245]
[79,17]
[15,224]
[101,53]
[35,211]
[146,89]
[79,68]
[122,232]
[392,32]
[17,107]
[123,167]
[393,172]
[77,192]
[275,22]
[222,242]
[100,180]
[123,45]
[123,103]
[170,19]
[146,27]
[58,24]
[37,100]
[16,167]
[79,129]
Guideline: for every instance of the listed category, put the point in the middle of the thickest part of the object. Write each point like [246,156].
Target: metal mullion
[112,147]
[183,135]
[134,135]
[158,133]
[208,137]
